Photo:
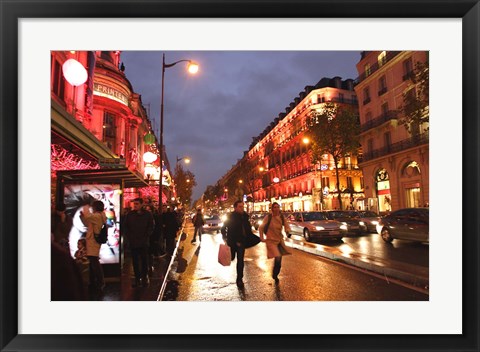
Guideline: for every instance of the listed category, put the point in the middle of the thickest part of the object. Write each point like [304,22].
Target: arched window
[411,169]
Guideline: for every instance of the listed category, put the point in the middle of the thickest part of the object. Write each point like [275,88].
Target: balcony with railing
[380,120]
[389,56]
[382,91]
[411,142]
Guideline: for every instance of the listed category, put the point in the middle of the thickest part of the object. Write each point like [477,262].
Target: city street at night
[197,276]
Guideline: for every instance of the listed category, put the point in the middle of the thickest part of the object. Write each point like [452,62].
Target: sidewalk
[123,290]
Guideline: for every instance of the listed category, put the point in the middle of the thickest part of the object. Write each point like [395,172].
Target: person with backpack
[271,233]
[198,223]
[94,221]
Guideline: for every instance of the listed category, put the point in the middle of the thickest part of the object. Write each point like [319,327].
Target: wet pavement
[164,284]
[196,275]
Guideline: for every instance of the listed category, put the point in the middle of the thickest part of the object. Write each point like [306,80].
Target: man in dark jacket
[234,231]
[198,223]
[138,228]
[170,228]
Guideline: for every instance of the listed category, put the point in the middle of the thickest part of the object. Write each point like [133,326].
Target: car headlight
[224,217]
[361,223]
[374,222]
[319,228]
[220,224]
[344,227]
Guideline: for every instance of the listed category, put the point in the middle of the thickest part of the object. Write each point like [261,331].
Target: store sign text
[108,92]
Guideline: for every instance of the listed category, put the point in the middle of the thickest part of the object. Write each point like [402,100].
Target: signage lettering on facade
[112,163]
[109,92]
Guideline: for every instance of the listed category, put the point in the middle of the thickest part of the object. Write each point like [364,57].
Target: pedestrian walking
[234,232]
[170,228]
[61,225]
[271,233]
[198,223]
[138,228]
[94,220]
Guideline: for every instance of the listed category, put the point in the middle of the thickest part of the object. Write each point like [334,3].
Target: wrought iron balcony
[396,147]
[380,120]
[389,56]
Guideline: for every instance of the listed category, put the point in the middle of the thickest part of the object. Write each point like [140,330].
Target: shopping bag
[224,255]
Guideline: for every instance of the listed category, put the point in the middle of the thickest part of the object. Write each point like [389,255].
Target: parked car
[315,224]
[348,217]
[406,224]
[213,223]
[368,220]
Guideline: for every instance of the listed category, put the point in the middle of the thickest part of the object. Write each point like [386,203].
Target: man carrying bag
[238,235]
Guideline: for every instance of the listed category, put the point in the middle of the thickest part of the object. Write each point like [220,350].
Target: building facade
[278,165]
[102,125]
[100,133]
[395,161]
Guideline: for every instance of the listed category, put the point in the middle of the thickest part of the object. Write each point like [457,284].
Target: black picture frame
[12,11]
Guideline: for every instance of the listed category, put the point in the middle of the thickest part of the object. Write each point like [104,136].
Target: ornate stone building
[280,163]
[395,161]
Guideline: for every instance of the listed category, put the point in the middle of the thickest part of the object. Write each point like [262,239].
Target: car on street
[368,220]
[347,217]
[406,224]
[315,224]
[256,219]
[213,223]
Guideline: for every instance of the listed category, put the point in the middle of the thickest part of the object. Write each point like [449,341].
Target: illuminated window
[382,58]
[368,70]
[109,129]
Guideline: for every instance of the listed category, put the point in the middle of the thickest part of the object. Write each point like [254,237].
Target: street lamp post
[192,68]
[185,158]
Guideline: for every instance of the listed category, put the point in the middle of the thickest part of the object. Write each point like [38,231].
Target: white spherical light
[74,72]
[149,157]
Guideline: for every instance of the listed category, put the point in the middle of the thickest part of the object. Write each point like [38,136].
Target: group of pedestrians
[149,234]
[236,231]
[85,271]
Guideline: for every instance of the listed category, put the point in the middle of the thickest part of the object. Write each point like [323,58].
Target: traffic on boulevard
[196,274]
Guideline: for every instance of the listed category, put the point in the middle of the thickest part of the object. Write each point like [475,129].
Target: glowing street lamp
[185,159]
[192,68]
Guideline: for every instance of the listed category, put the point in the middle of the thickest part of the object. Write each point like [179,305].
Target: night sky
[213,115]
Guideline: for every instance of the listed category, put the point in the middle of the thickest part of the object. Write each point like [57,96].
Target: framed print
[32,29]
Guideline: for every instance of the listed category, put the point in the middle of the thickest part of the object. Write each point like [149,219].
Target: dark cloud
[213,116]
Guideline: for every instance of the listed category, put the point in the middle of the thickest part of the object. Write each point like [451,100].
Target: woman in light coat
[94,221]
[271,233]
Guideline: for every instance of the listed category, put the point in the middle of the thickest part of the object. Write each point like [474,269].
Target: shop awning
[104,176]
